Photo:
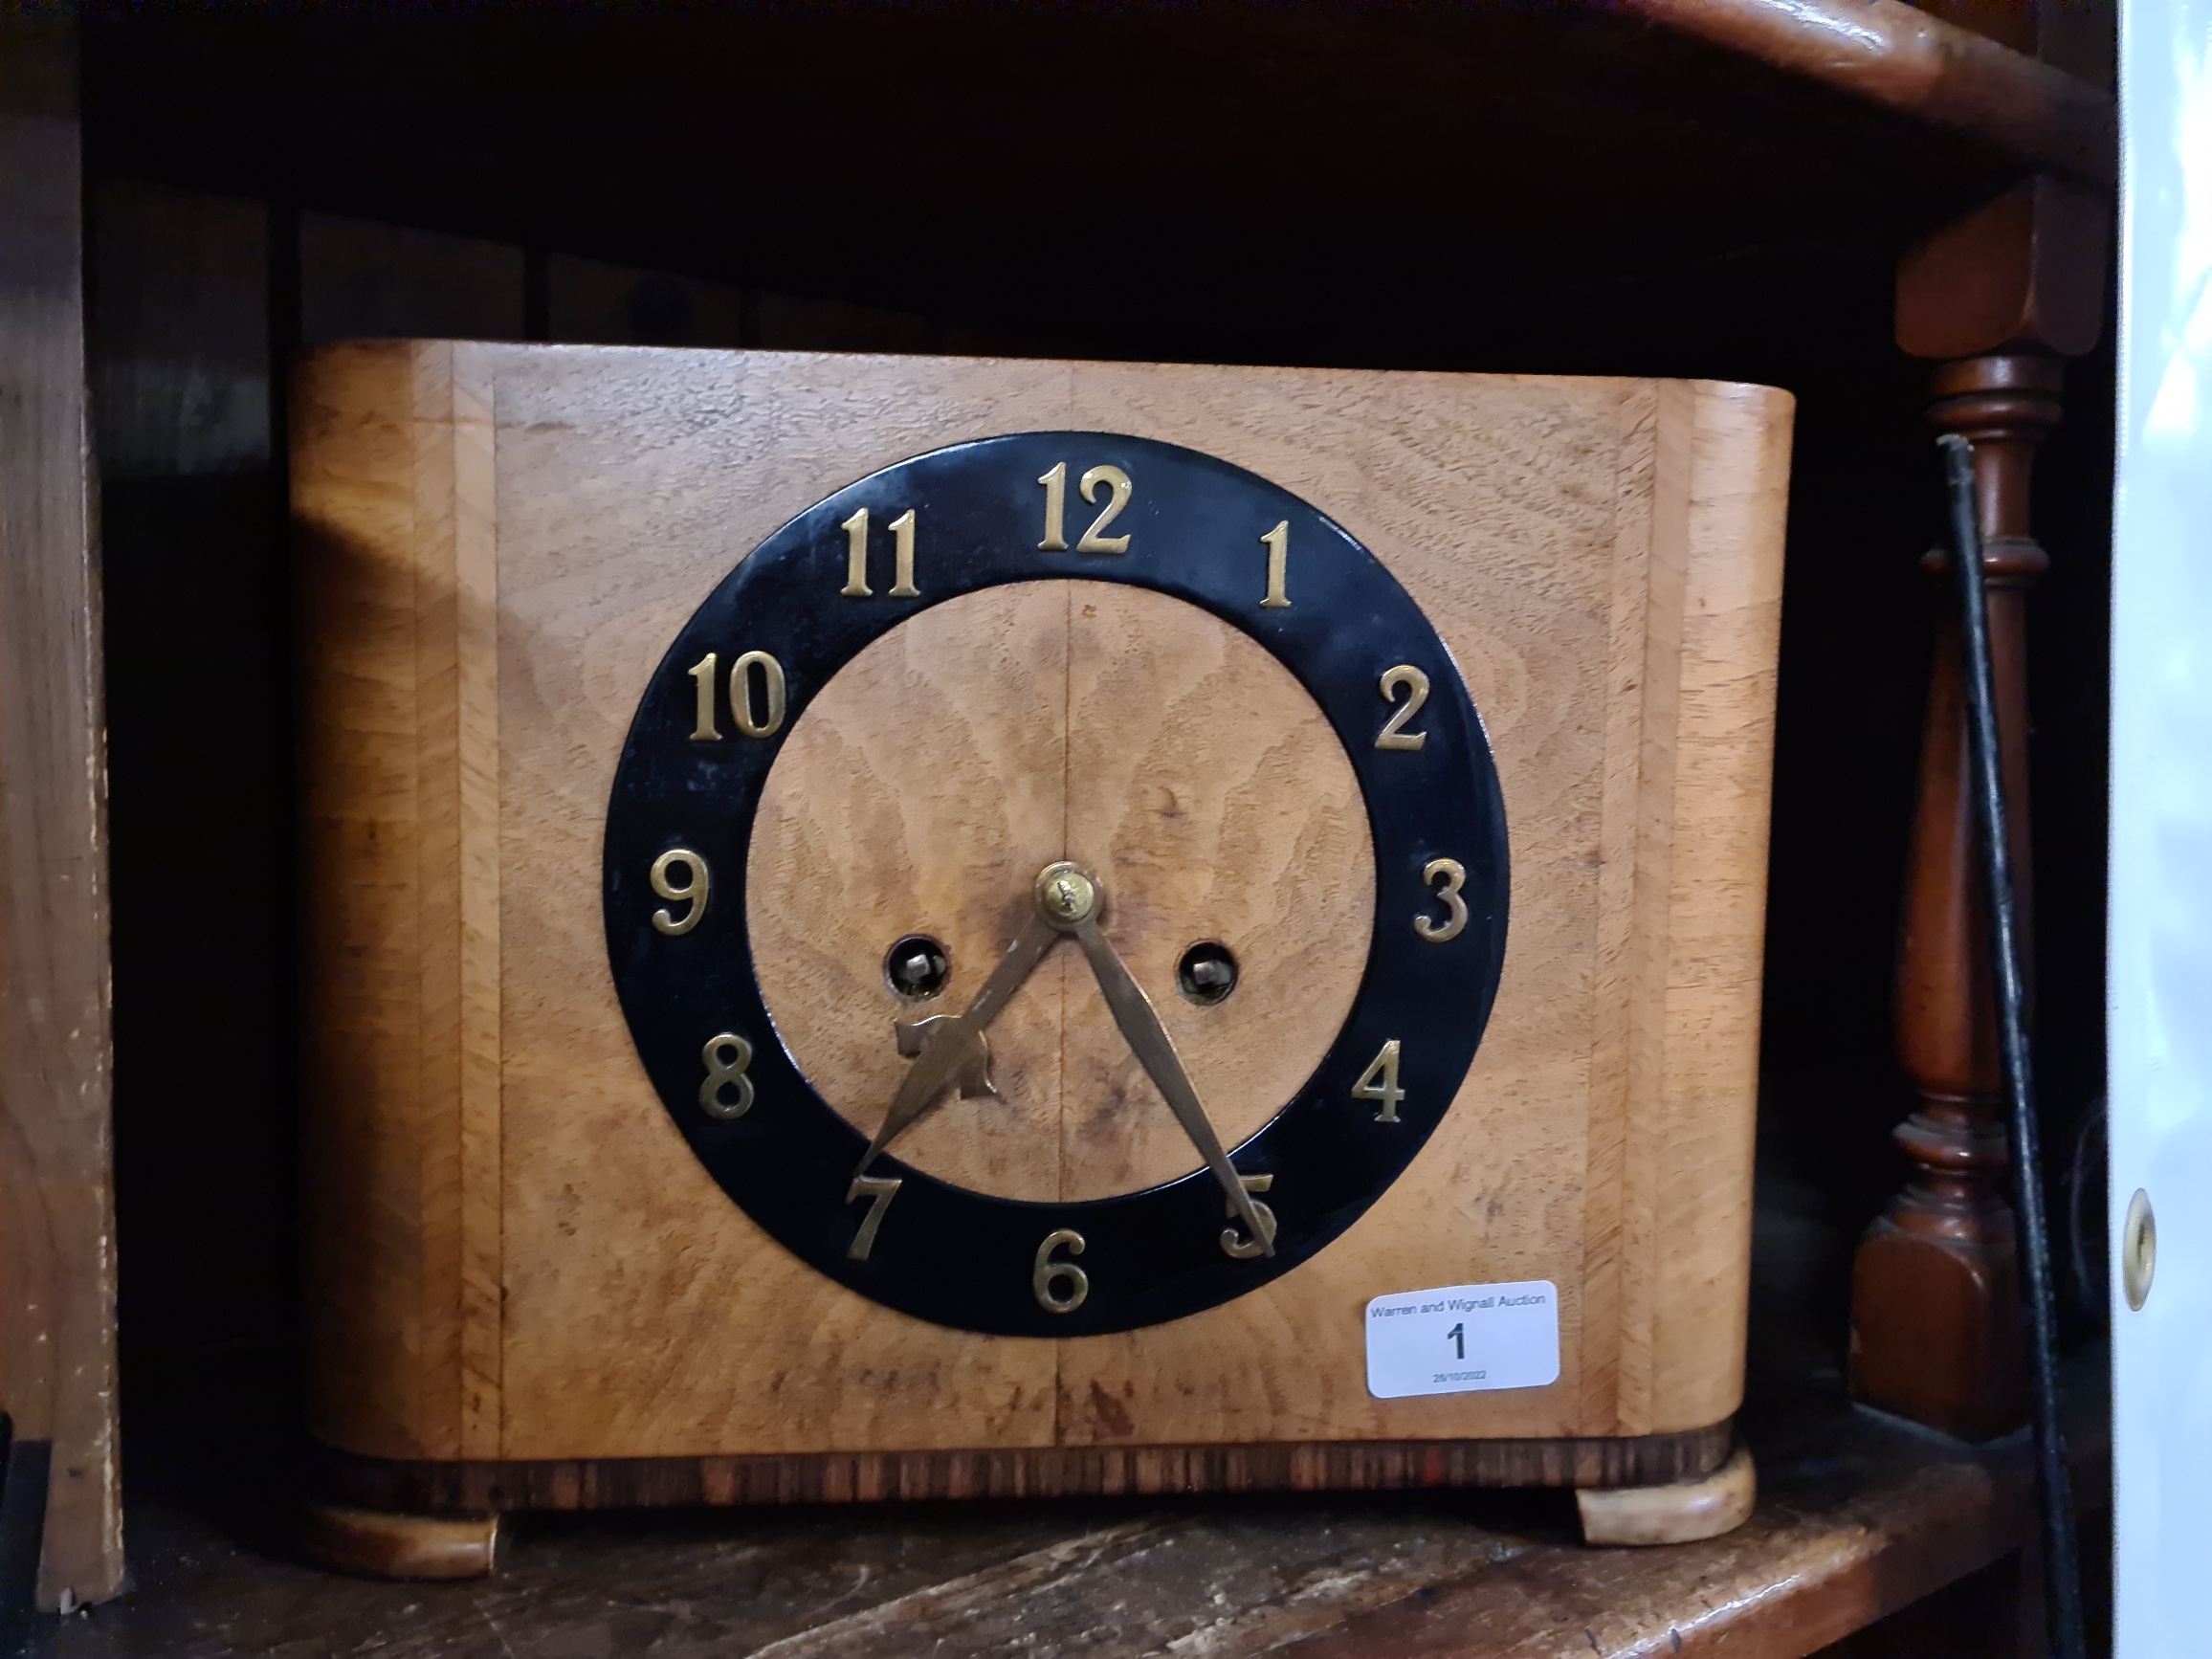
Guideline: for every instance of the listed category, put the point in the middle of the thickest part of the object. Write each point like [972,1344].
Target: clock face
[1056,883]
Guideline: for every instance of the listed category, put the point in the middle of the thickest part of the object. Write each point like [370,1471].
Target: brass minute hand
[1147,1038]
[950,1048]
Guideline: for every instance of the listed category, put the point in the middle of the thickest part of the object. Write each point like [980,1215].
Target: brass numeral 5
[1233,1242]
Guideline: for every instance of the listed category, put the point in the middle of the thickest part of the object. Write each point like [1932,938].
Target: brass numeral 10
[1380,1082]
[1055,482]
[764,722]
[855,530]
[1060,1287]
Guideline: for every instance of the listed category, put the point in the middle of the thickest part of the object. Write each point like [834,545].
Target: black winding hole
[1206,974]
[917,967]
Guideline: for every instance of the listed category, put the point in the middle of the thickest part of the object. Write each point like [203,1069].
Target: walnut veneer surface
[514,1255]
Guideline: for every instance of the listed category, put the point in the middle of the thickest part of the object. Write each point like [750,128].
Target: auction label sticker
[1462,1338]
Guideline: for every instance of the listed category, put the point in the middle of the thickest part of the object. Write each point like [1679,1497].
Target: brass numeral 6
[1050,1276]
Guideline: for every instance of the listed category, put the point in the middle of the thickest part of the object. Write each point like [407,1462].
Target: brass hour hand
[949,1050]
[1147,1038]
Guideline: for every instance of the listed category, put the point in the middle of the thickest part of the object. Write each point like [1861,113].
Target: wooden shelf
[1858,1516]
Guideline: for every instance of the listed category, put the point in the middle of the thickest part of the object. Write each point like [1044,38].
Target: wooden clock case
[524,1292]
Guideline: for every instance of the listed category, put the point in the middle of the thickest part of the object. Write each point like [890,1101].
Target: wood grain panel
[1600,556]
[56,1196]
[1150,742]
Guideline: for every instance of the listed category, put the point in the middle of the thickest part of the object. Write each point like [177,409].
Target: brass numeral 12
[1055,482]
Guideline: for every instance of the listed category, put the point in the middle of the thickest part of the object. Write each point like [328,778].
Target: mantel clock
[901,926]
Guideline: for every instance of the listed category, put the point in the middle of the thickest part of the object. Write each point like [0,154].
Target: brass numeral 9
[1048,1275]
[695,889]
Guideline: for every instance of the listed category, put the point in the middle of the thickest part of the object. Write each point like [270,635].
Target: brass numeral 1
[702,675]
[1056,484]
[1394,735]
[855,530]
[1455,875]
[729,1073]
[695,889]
[1380,1082]
[902,557]
[1278,544]
[879,1191]
[1234,1243]
[1049,1274]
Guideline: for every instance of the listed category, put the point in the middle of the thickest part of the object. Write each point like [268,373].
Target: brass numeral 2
[1395,736]
[1380,1082]
[695,889]
[1048,1274]
[729,1073]
[855,530]
[1056,484]
[766,723]
[879,1191]
[1236,1243]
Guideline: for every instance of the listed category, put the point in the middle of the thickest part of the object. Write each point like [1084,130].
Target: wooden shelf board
[1858,1516]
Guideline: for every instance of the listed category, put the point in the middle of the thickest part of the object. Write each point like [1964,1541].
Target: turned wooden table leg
[1935,1311]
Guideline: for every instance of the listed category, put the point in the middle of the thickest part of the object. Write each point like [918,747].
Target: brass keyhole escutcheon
[2139,1249]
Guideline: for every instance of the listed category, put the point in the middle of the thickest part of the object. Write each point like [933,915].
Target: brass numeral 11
[855,530]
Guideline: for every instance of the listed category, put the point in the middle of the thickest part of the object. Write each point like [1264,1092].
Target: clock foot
[380,1544]
[1679,1514]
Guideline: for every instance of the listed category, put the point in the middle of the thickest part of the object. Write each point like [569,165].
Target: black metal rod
[2062,1603]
